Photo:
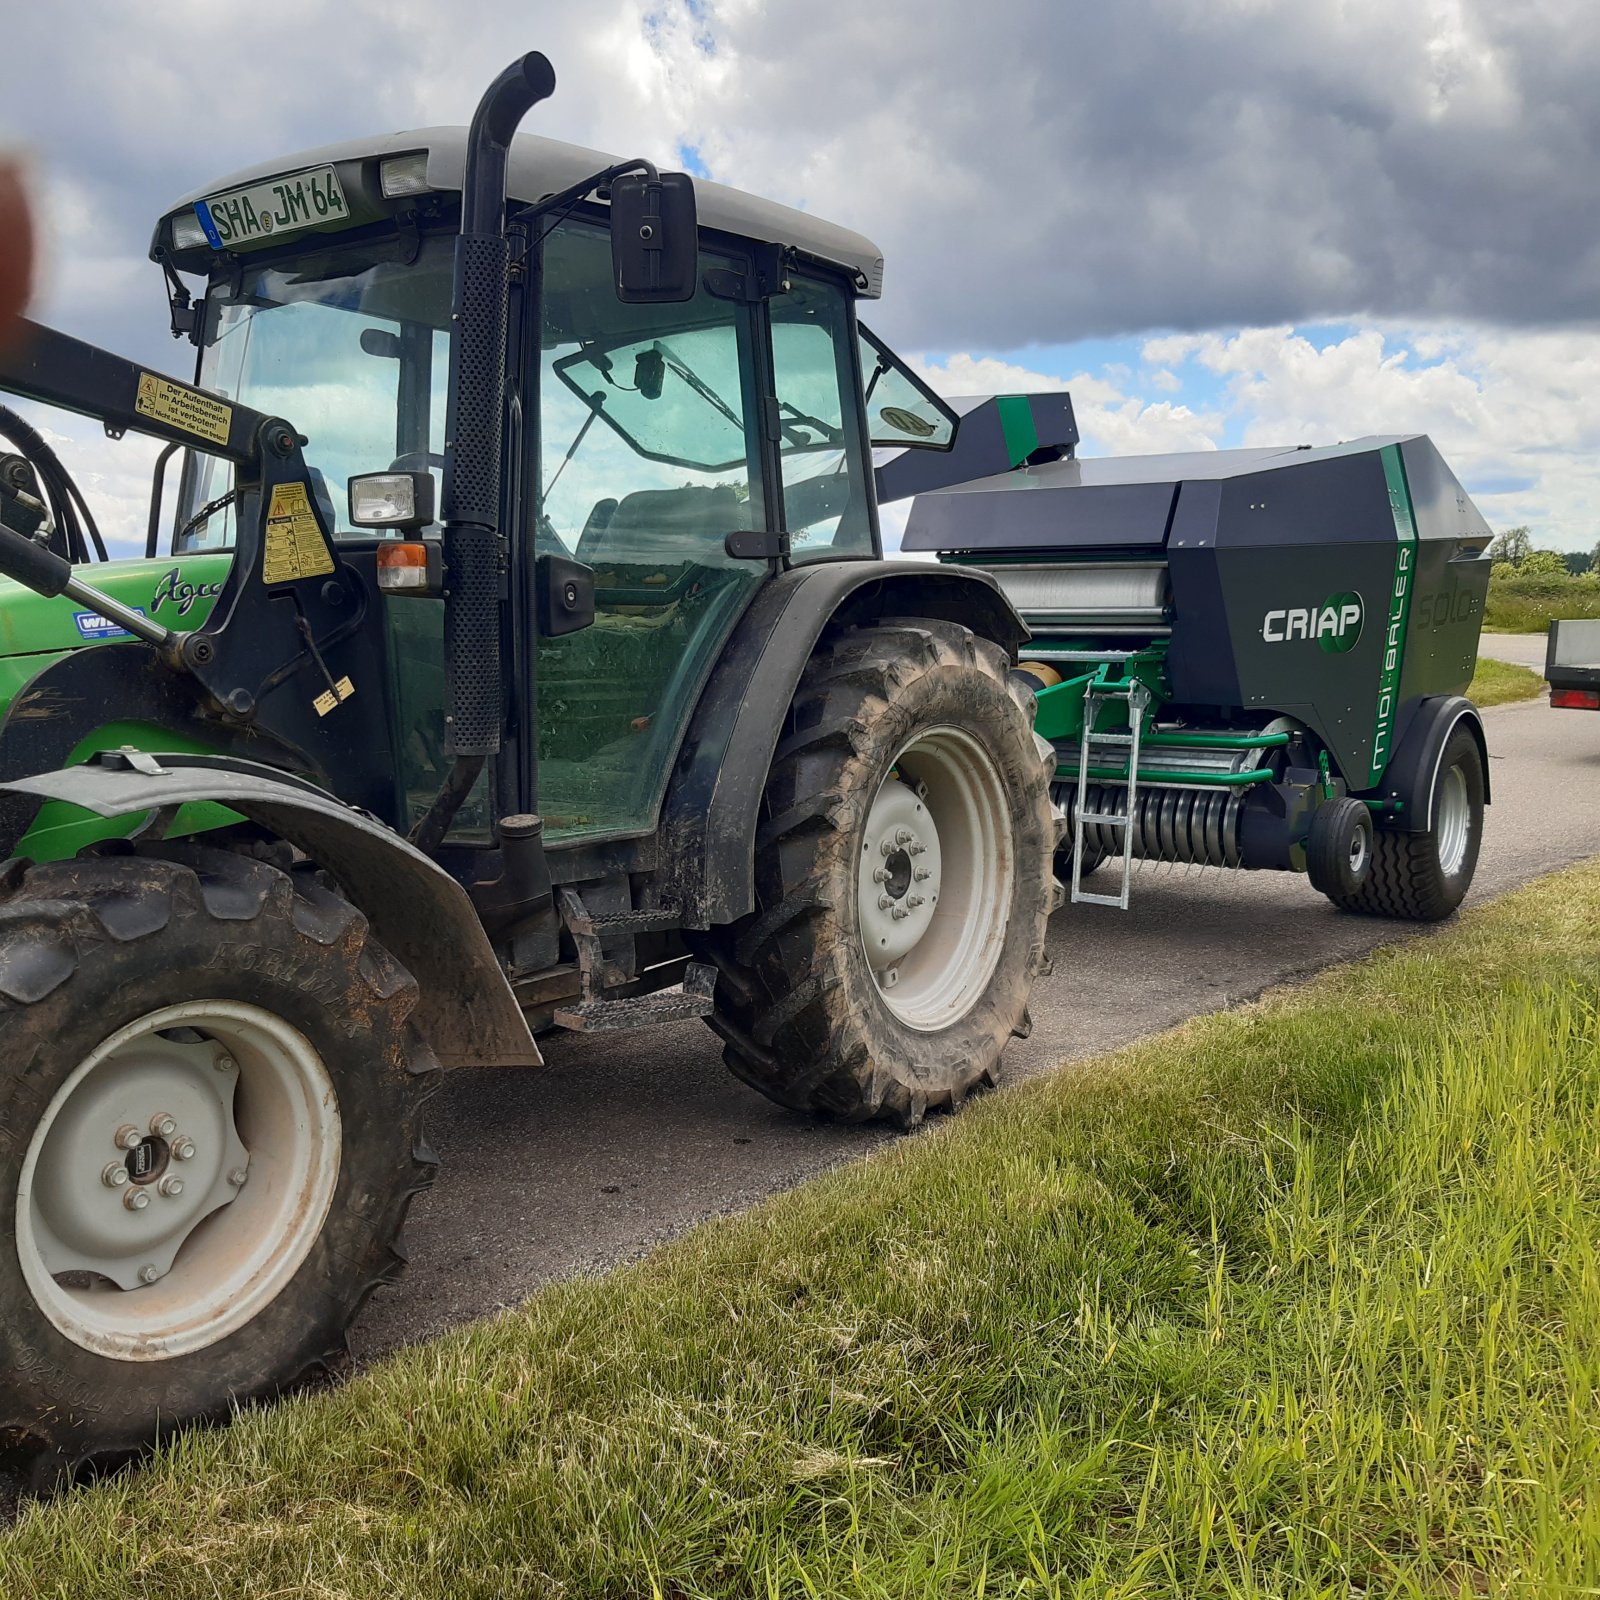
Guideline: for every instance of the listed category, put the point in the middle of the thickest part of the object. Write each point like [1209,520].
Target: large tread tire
[1407,881]
[89,945]
[801,1015]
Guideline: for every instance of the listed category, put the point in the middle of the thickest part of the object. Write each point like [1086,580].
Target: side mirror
[565,595]
[655,238]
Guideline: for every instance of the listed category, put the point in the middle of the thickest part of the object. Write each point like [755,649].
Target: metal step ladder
[1136,696]
[595,1013]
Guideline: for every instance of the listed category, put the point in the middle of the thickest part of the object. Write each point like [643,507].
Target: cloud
[1517,414]
[1111,420]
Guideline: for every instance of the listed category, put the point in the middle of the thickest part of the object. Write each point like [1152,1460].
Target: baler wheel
[1423,877]
[903,880]
[1339,848]
[211,1093]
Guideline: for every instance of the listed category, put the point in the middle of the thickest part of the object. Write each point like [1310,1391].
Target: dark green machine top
[1338,586]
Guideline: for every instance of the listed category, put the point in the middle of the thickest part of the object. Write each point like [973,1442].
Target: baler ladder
[1136,695]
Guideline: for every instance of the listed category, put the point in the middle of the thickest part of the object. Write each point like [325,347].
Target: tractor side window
[903,413]
[825,503]
[648,460]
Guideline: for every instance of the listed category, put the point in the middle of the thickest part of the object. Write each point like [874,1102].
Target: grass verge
[1494,683]
[1530,605]
[1300,1299]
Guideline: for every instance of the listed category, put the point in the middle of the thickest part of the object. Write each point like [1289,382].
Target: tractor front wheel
[210,1097]
[903,880]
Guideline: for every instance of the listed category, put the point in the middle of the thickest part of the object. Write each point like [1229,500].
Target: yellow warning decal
[181,407]
[328,699]
[294,546]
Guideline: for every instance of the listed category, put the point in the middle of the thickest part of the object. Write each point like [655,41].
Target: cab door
[649,456]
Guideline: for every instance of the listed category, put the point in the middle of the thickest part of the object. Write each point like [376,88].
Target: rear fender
[417,910]
[708,822]
[1411,777]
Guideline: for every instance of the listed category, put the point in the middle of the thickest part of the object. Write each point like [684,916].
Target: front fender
[421,914]
[708,822]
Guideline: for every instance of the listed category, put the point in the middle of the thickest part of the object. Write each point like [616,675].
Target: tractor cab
[679,451]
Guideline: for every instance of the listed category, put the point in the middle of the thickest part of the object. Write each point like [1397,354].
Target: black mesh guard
[473,549]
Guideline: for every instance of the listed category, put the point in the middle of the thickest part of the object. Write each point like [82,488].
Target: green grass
[1530,605]
[1301,1299]
[1496,682]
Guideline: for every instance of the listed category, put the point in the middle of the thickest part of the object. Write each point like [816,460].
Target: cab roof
[538,167]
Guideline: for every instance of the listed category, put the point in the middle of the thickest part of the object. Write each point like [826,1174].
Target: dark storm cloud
[1041,172]
[1037,172]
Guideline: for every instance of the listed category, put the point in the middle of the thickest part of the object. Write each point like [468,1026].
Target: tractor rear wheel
[1423,877]
[903,880]
[210,1098]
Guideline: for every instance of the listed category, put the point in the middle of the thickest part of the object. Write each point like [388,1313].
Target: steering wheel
[417,461]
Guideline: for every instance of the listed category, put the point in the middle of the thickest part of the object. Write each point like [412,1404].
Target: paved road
[622,1142]
[1525,649]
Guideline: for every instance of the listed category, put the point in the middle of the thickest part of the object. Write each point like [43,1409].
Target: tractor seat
[651,524]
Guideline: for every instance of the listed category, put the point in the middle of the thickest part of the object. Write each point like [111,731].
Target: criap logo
[1335,624]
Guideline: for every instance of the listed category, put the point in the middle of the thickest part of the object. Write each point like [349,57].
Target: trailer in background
[1572,663]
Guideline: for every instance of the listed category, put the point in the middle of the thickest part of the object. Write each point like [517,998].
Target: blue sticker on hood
[93,626]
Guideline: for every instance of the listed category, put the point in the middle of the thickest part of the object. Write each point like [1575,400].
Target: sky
[1216,222]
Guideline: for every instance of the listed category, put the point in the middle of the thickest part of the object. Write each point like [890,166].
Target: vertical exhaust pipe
[474,547]
[475,556]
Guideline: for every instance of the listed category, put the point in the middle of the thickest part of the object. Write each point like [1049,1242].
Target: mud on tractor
[329,791]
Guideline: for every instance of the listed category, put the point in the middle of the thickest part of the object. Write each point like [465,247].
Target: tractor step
[598,924]
[1135,696]
[645,1010]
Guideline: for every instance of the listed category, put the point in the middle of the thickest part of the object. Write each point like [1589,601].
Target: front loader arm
[284,649]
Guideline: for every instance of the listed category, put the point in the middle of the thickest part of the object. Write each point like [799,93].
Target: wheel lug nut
[915,848]
[238,1177]
[225,1063]
[880,874]
[171,1187]
[162,1126]
[183,1149]
[922,874]
[899,913]
[114,1175]
[136,1199]
[148,1274]
[913,901]
[884,902]
[903,836]
[128,1137]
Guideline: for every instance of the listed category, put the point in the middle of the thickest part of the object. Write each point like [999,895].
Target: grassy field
[1529,605]
[1496,682]
[1301,1299]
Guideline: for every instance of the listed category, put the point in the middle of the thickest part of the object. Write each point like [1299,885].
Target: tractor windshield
[350,345]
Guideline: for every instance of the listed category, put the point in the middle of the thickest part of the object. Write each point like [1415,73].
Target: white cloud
[1517,415]
[1111,420]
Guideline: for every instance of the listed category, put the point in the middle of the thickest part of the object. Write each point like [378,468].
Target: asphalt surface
[621,1142]
[1525,649]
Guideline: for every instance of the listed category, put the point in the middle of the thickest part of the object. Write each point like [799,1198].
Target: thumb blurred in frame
[16,246]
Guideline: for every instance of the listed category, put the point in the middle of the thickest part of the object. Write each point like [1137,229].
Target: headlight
[187,234]
[403,175]
[391,499]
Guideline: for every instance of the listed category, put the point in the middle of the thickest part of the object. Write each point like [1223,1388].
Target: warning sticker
[294,546]
[181,407]
[329,698]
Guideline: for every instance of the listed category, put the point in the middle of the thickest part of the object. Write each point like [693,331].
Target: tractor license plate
[278,206]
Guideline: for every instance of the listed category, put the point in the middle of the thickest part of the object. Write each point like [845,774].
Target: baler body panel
[1336,586]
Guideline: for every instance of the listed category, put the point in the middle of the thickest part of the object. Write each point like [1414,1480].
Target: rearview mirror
[655,239]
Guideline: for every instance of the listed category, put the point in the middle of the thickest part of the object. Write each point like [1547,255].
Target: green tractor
[328,792]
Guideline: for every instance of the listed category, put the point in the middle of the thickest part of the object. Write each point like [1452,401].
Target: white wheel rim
[1358,853]
[935,875]
[241,1112]
[1454,822]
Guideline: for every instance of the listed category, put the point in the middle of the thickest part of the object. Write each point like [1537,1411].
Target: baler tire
[802,1011]
[1409,881]
[95,954]
[1339,848]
